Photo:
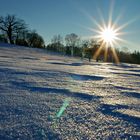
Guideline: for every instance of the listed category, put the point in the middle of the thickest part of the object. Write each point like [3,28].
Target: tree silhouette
[135,57]
[35,40]
[12,26]
[57,44]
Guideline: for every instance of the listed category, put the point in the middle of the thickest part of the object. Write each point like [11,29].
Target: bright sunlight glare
[108,35]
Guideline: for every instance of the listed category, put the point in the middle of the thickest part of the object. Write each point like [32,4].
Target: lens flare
[109,33]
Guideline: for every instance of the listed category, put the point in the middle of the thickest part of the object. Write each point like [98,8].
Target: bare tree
[71,41]
[57,43]
[12,27]
[57,39]
[84,45]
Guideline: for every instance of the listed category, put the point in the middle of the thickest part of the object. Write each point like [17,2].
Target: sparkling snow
[47,96]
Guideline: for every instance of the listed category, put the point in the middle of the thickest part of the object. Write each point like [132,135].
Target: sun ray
[115,55]
[94,30]
[98,51]
[95,22]
[102,19]
[92,19]
[110,14]
[116,20]
[125,25]
[109,34]
[90,29]
[105,54]
[122,33]
[122,40]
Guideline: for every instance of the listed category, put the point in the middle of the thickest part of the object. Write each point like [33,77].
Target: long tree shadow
[132,94]
[127,74]
[50,73]
[34,72]
[20,83]
[66,64]
[109,110]
[86,77]
[123,65]
[59,63]
[67,92]
[123,88]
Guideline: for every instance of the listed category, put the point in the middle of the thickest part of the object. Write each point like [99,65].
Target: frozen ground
[47,96]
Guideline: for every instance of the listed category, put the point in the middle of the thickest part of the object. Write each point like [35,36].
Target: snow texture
[45,96]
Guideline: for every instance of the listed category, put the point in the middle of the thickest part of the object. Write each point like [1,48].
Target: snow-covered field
[47,96]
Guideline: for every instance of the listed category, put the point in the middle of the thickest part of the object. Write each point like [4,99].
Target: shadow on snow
[132,94]
[109,110]
[46,90]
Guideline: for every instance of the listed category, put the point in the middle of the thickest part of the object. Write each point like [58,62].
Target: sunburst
[108,34]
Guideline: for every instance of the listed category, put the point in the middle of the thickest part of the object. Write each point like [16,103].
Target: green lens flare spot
[63,108]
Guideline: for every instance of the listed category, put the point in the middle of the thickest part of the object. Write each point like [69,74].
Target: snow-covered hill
[46,96]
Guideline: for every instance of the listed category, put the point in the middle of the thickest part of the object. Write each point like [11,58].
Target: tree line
[73,45]
[14,30]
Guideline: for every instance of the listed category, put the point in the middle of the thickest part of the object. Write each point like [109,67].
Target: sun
[108,35]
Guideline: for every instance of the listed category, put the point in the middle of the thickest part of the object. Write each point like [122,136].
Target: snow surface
[48,96]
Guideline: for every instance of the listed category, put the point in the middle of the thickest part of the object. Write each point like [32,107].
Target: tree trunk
[9,33]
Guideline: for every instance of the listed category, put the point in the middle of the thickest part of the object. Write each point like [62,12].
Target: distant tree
[90,47]
[125,49]
[22,42]
[3,38]
[35,40]
[12,26]
[20,33]
[57,43]
[124,55]
[21,38]
[71,41]
[57,39]
[84,46]
[136,57]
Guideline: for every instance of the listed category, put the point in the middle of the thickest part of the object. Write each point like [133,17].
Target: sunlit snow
[48,96]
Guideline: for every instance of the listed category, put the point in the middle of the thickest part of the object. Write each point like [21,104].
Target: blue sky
[52,17]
